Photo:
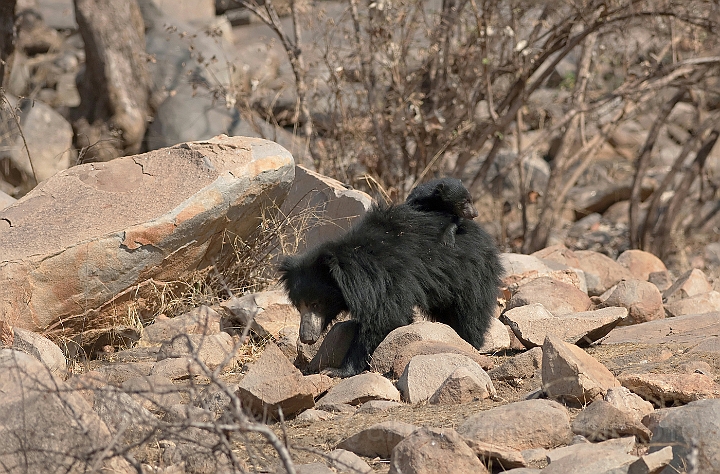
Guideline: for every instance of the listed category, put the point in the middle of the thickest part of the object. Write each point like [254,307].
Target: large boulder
[92,241]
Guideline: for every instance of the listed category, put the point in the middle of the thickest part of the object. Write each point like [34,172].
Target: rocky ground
[594,364]
[601,359]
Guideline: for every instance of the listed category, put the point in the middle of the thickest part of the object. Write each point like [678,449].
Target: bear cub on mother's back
[391,261]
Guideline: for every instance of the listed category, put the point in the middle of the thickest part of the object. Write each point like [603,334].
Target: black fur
[387,264]
[444,195]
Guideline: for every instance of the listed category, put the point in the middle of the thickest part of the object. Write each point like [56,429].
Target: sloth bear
[387,264]
[446,195]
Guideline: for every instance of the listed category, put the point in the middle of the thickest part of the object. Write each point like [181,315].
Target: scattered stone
[319,383]
[640,263]
[517,264]
[312,468]
[557,297]
[669,389]
[628,402]
[532,323]
[268,312]
[378,440]
[522,366]
[570,374]
[123,416]
[345,461]
[118,373]
[6,200]
[601,420]
[494,455]
[711,254]
[215,399]
[49,138]
[312,415]
[652,463]
[429,451]
[597,198]
[521,425]
[406,353]
[692,433]
[653,419]
[177,368]
[600,458]
[195,453]
[383,359]
[65,434]
[691,283]
[274,384]
[200,320]
[535,457]
[607,271]
[212,350]
[181,412]
[425,374]
[361,388]
[687,331]
[337,408]
[153,392]
[42,348]
[463,385]
[377,406]
[496,338]
[662,280]
[287,340]
[697,367]
[571,276]
[335,344]
[641,298]
[697,304]
[558,254]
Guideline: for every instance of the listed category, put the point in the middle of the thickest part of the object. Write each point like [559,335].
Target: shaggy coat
[386,265]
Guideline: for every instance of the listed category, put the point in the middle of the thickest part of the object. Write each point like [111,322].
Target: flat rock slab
[532,323]
[591,459]
[79,246]
[671,389]
[689,330]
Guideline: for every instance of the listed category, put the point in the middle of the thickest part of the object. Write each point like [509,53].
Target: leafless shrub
[415,88]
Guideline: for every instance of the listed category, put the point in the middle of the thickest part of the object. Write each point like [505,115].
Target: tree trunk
[111,119]
[7,37]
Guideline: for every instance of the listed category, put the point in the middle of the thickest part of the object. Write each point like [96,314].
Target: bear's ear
[287,264]
[327,261]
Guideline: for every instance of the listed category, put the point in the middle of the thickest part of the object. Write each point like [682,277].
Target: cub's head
[314,292]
